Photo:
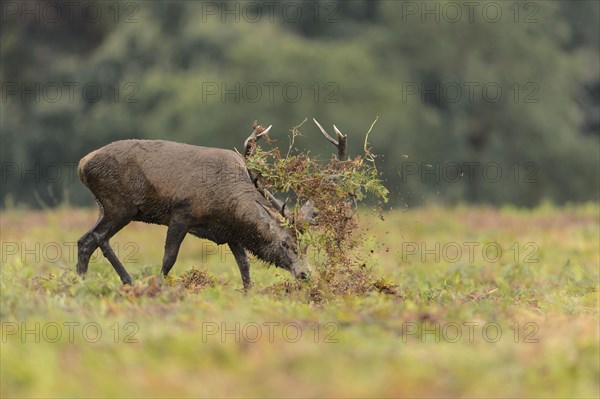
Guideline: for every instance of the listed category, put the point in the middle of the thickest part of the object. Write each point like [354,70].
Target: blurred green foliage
[201,72]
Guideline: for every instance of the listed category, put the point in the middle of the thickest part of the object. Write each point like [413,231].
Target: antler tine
[266,131]
[252,136]
[258,132]
[327,136]
[340,143]
[273,201]
[283,207]
[277,204]
[341,146]
[338,133]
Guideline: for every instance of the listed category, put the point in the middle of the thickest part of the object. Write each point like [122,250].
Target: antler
[250,142]
[280,206]
[249,146]
[340,143]
[307,212]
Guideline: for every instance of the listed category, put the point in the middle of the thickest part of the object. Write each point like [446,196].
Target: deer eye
[286,244]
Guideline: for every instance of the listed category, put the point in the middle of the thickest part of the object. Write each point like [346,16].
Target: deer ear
[269,216]
[308,213]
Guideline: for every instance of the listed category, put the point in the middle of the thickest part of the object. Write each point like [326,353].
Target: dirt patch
[350,283]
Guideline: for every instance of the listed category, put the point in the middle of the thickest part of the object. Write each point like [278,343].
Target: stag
[204,191]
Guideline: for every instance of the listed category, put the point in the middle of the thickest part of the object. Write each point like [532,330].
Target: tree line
[480,102]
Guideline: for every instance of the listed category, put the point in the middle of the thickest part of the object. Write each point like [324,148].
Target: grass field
[488,303]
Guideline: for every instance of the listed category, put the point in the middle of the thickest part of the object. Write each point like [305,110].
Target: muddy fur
[203,191]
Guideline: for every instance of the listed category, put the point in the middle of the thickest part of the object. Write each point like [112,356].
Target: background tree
[351,60]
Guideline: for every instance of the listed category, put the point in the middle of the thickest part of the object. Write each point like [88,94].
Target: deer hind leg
[109,224]
[85,248]
[242,260]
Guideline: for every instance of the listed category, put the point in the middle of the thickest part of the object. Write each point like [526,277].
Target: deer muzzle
[301,270]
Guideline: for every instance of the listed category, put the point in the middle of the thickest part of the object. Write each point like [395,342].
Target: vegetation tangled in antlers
[334,188]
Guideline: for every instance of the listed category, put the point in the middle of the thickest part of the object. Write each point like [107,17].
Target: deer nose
[303,276]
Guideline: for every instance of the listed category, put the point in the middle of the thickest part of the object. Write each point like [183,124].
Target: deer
[204,191]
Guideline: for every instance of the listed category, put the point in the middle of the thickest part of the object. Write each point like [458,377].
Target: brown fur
[204,191]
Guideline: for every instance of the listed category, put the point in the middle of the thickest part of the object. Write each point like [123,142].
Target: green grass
[542,298]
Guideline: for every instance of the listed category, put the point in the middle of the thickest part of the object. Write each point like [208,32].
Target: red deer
[206,192]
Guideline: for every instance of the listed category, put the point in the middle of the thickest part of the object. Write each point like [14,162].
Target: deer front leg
[175,234]
[242,260]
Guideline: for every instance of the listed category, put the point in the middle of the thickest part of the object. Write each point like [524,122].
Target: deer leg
[108,225]
[86,246]
[175,234]
[115,262]
[89,242]
[242,260]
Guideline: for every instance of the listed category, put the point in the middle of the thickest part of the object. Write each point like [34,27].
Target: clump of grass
[385,286]
[196,280]
[149,286]
[335,188]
